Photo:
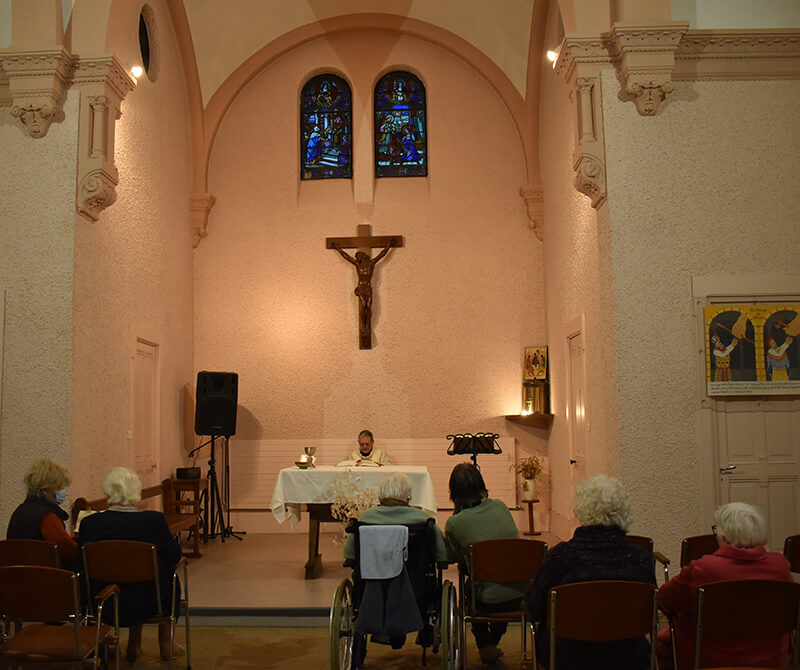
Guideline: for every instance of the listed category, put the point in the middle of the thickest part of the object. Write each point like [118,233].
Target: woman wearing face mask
[40,517]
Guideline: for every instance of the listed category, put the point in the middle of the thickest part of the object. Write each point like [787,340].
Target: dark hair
[366,433]
[467,487]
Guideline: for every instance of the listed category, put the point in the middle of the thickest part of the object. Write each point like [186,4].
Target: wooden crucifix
[365,266]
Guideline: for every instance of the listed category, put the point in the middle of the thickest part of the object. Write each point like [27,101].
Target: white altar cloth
[295,487]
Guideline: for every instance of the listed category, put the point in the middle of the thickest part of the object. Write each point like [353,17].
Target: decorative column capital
[103,84]
[202,204]
[533,195]
[644,56]
[580,63]
[580,56]
[37,83]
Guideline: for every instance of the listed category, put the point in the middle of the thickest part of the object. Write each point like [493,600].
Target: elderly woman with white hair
[394,497]
[123,520]
[599,549]
[741,534]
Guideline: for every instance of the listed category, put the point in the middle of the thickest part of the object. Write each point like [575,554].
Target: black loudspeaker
[215,409]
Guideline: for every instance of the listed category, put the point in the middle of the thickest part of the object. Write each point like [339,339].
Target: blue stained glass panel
[401,133]
[326,128]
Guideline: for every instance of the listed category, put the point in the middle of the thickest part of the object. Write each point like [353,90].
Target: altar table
[312,488]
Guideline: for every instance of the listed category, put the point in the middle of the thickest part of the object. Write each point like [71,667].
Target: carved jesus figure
[365,266]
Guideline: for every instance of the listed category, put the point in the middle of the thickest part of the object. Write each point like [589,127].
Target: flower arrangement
[349,500]
[529,467]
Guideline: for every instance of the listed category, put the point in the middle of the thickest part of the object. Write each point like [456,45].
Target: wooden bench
[172,507]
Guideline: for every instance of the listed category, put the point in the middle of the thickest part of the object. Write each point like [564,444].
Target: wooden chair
[29,552]
[791,549]
[603,611]
[747,609]
[646,543]
[505,561]
[696,546]
[126,562]
[47,596]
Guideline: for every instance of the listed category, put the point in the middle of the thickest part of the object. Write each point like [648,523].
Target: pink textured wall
[36,242]
[454,308]
[577,281]
[705,187]
[133,270]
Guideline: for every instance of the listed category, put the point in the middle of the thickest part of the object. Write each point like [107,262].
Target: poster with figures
[752,349]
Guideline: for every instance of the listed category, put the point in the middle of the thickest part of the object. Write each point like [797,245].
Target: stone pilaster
[103,84]
[37,85]
[580,62]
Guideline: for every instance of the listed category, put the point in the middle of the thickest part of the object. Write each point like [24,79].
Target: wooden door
[576,409]
[145,414]
[758,440]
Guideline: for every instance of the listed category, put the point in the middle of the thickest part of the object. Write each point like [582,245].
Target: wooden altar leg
[314,563]
[317,513]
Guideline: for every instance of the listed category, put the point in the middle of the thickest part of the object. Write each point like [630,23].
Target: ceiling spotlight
[137,71]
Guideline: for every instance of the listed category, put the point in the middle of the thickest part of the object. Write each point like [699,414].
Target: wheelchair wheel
[449,628]
[340,627]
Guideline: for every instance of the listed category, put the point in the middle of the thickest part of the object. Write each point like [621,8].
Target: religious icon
[535,363]
[752,349]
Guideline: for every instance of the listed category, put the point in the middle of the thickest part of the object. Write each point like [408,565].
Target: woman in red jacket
[40,516]
[741,533]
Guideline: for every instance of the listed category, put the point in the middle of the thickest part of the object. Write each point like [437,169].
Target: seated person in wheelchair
[741,534]
[394,492]
[598,550]
[478,517]
[394,495]
[124,521]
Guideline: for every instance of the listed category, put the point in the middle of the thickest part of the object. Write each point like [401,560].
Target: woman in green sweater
[478,517]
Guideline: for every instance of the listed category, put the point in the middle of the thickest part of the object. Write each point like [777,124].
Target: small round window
[147,46]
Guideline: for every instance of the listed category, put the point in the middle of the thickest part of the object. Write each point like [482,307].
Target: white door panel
[145,414]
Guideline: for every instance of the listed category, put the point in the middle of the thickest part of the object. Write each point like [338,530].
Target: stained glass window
[401,134]
[326,128]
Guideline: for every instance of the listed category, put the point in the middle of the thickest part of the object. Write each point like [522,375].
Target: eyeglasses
[714,529]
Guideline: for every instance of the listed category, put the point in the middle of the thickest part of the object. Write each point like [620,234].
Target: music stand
[474,444]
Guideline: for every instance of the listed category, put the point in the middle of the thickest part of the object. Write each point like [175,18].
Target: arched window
[326,128]
[401,133]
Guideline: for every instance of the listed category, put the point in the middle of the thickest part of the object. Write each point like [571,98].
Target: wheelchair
[436,600]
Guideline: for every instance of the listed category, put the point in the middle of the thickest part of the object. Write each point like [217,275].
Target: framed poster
[752,349]
[535,363]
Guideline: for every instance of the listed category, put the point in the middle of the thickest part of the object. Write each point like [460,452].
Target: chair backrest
[38,593]
[642,541]
[746,609]
[791,549]
[506,560]
[123,562]
[696,546]
[602,611]
[29,552]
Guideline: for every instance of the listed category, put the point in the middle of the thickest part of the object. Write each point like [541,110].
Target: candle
[304,459]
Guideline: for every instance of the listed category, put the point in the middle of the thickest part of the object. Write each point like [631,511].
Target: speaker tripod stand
[219,524]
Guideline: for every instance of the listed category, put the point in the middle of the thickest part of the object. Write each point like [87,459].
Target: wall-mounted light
[137,71]
[552,56]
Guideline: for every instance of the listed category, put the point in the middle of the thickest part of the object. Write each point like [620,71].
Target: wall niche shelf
[537,420]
